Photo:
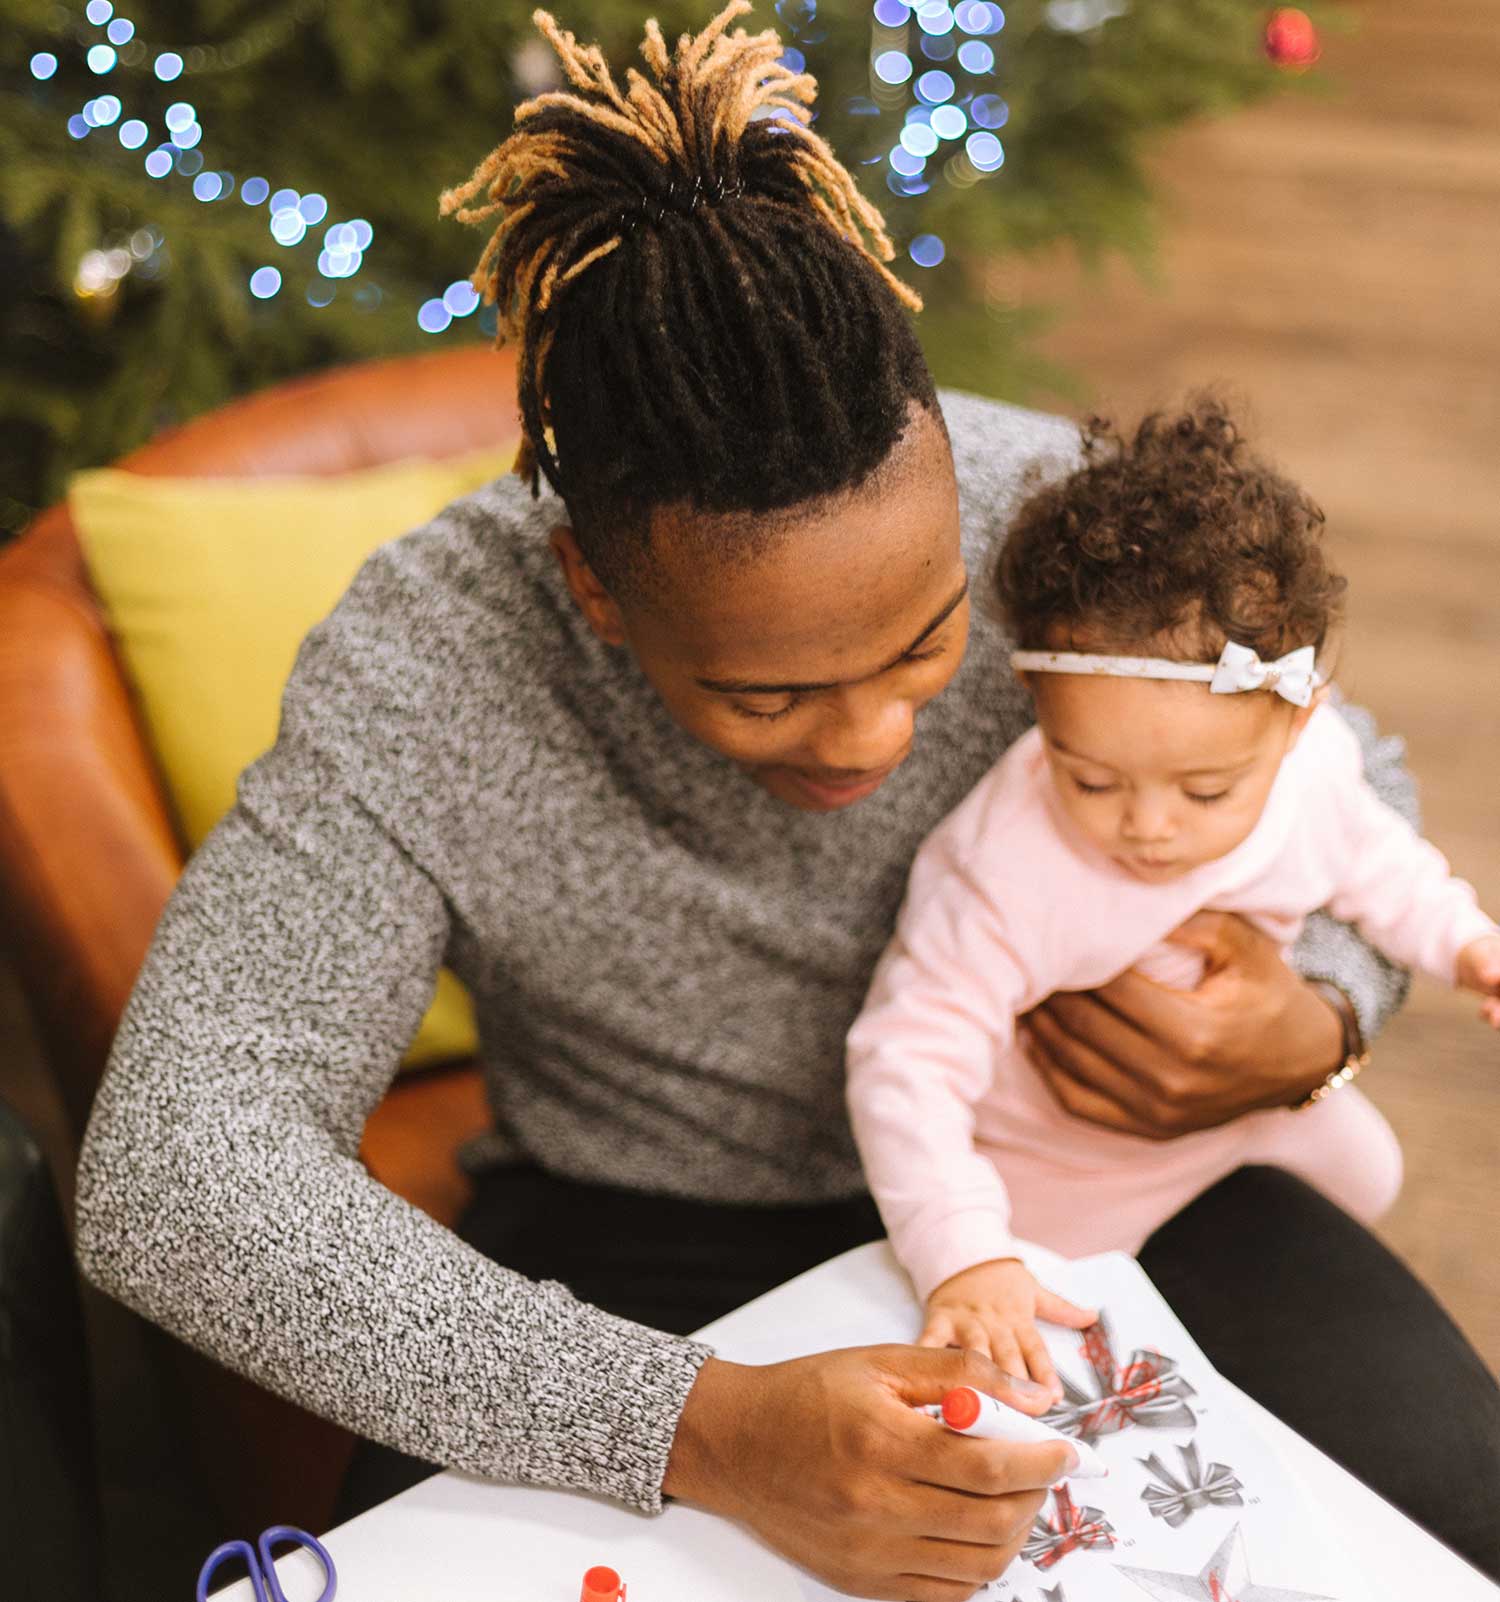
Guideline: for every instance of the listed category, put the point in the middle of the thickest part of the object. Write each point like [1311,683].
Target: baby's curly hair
[1179,538]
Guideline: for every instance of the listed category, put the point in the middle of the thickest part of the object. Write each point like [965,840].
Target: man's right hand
[828,1459]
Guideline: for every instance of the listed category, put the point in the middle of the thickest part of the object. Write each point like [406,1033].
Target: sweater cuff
[603,1411]
[954,1243]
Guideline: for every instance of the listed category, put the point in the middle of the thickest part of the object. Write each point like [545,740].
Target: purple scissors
[262,1565]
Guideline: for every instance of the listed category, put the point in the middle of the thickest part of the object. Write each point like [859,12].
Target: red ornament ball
[1291,40]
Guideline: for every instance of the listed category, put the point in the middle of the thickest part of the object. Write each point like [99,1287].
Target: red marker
[971,1412]
[602,1585]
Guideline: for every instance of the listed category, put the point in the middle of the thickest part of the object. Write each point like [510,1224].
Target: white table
[459,1539]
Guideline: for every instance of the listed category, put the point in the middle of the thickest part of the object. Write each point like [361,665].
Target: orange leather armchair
[88,853]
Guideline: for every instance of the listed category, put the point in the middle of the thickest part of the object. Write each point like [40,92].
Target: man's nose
[864,731]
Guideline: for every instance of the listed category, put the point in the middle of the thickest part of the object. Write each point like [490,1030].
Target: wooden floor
[1334,261]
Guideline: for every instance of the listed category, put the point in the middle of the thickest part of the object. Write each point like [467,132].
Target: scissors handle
[220,1555]
[282,1534]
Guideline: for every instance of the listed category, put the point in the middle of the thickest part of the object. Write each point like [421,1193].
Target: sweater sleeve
[921,1054]
[1334,950]
[220,1191]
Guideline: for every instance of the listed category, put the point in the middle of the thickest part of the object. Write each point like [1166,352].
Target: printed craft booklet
[1197,1505]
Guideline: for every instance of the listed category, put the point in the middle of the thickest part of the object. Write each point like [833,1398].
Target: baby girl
[1172,604]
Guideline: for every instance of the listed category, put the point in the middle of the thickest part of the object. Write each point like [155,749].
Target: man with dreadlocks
[597,748]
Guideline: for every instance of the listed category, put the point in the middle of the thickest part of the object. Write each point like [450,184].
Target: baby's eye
[1092,789]
[1205,800]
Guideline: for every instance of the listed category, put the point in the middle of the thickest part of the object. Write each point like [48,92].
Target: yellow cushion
[211,583]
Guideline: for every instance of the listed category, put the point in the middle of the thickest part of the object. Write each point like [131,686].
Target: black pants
[1292,1299]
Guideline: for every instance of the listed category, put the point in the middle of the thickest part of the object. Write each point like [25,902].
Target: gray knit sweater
[663,958]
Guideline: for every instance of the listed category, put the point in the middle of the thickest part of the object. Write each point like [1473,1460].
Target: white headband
[1294,676]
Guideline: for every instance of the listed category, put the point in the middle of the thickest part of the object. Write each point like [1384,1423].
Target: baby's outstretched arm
[993,1309]
[1479,969]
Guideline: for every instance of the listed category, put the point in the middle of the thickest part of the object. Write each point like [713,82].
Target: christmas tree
[198,197]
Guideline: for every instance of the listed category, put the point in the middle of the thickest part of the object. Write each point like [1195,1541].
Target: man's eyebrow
[1224,770]
[746,687]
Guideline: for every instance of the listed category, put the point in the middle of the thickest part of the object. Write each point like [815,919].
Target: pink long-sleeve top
[964,1147]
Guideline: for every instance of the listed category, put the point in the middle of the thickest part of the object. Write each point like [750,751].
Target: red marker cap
[961,1407]
[602,1585]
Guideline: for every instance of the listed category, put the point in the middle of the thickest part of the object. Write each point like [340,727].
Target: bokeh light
[935,16]
[949,122]
[313,208]
[926,250]
[99,12]
[103,112]
[43,65]
[460,297]
[974,55]
[168,66]
[264,282]
[891,13]
[287,228]
[101,59]
[905,162]
[919,139]
[207,186]
[158,163]
[934,87]
[985,151]
[134,133]
[180,114]
[434,317]
[893,66]
[78,126]
[989,111]
[120,31]
[254,190]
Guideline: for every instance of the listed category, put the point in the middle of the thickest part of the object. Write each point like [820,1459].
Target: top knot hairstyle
[697,288]
[1178,539]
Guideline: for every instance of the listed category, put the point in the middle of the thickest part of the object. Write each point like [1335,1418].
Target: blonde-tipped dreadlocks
[730,336]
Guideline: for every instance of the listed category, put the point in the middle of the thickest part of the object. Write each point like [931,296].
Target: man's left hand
[1149,1060]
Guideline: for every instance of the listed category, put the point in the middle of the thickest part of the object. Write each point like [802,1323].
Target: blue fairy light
[168,66]
[893,66]
[178,115]
[989,111]
[460,297]
[936,46]
[922,114]
[285,200]
[254,190]
[334,262]
[926,250]
[101,59]
[43,65]
[434,317]
[934,87]
[905,162]
[287,228]
[106,111]
[313,208]
[341,236]
[320,294]
[264,282]
[99,12]
[979,16]
[985,151]
[898,184]
[120,31]
[134,133]
[935,16]
[158,163]
[974,55]
[949,122]
[363,233]
[78,126]
[187,162]
[892,13]
[207,186]
[793,59]
[919,139]
[186,138]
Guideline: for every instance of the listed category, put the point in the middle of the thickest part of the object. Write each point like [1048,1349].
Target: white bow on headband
[1293,677]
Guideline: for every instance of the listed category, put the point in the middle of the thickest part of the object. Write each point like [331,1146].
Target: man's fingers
[1090,1020]
[1221,937]
[1058,1310]
[1082,1082]
[931,1510]
[982,1468]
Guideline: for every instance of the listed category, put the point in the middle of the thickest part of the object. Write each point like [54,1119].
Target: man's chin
[812,795]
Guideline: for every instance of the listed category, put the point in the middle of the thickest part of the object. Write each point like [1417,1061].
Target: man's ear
[598,606]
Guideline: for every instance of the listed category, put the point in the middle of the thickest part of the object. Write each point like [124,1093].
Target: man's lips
[843,789]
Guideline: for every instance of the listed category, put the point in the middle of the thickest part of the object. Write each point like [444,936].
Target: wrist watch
[1356,1054]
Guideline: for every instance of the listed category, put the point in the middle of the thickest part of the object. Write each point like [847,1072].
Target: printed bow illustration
[1294,676]
[1148,1391]
[1069,1529]
[1176,1499]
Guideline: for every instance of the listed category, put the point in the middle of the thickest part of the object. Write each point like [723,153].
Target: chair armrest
[88,854]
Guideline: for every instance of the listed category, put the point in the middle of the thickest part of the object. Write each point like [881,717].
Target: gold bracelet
[1356,1056]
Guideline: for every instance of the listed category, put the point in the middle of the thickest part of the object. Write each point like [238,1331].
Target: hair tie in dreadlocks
[742,342]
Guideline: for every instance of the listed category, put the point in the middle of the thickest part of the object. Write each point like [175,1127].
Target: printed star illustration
[1224,1578]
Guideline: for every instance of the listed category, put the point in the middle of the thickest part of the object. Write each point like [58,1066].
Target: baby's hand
[1479,969]
[992,1309]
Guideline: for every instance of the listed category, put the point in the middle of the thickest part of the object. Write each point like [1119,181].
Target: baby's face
[1161,775]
